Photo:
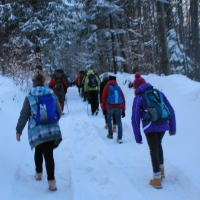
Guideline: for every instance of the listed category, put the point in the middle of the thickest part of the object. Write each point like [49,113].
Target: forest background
[150,36]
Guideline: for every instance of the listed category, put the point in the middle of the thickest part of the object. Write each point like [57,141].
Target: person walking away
[59,85]
[154,131]
[91,87]
[99,80]
[111,107]
[68,81]
[43,137]
[105,79]
[79,80]
[84,93]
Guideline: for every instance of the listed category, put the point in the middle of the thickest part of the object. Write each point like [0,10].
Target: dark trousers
[154,141]
[94,100]
[79,89]
[46,150]
[84,95]
[60,93]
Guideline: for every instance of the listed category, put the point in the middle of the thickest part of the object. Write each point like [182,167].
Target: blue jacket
[138,113]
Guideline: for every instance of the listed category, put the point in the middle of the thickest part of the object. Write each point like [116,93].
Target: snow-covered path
[93,166]
[88,165]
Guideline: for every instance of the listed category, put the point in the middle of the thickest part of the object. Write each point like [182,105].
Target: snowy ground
[91,167]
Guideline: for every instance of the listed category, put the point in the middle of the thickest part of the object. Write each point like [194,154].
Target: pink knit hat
[138,80]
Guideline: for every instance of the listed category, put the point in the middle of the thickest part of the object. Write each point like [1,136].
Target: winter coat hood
[112,82]
[40,91]
[90,72]
[143,87]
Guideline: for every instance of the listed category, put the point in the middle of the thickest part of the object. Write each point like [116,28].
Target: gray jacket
[38,134]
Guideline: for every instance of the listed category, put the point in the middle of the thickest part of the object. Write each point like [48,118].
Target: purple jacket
[138,113]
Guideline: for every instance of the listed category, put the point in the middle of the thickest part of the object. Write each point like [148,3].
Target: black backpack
[58,78]
[92,81]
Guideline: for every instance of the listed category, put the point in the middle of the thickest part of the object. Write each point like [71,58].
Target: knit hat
[60,71]
[38,79]
[138,80]
[112,78]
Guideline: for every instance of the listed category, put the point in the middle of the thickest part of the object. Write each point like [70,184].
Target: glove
[123,114]
[18,135]
[172,133]
[104,112]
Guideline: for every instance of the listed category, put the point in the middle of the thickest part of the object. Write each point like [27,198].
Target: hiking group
[43,107]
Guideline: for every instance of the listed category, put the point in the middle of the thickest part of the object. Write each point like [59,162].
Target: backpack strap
[158,96]
[153,91]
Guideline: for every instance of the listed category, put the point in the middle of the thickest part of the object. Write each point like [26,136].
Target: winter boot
[162,171]
[38,176]
[119,140]
[156,182]
[114,128]
[52,185]
[106,126]
[110,136]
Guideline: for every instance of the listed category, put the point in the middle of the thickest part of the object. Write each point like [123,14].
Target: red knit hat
[138,80]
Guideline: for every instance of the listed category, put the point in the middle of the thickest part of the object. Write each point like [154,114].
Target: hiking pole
[87,109]
[67,106]
[88,97]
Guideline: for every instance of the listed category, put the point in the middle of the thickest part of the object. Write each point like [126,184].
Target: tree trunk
[113,46]
[195,45]
[164,57]
[180,16]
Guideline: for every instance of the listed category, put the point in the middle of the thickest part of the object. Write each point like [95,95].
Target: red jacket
[105,94]
[52,84]
[79,80]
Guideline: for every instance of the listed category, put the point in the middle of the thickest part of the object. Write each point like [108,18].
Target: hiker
[91,87]
[59,85]
[43,137]
[99,80]
[116,108]
[79,80]
[84,93]
[105,79]
[154,131]
[68,81]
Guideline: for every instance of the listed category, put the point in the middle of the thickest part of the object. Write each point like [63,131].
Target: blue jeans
[118,113]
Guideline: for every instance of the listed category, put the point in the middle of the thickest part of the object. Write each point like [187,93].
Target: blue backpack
[46,111]
[115,95]
[157,111]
